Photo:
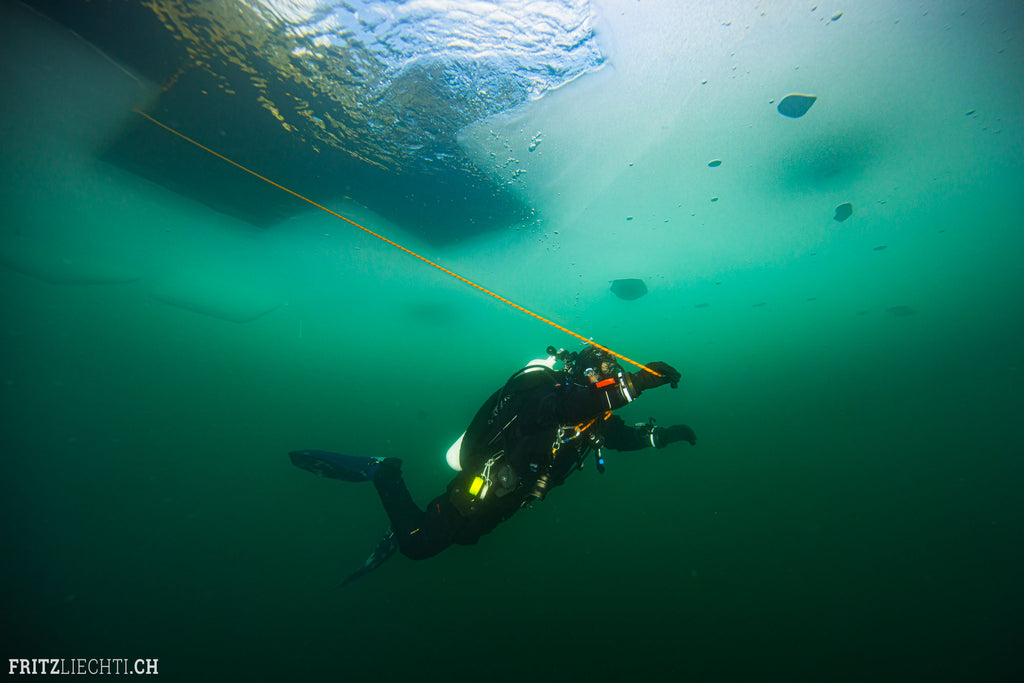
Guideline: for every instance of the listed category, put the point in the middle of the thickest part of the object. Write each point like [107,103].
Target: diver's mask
[592,365]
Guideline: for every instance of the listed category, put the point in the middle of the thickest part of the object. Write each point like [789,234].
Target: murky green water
[852,508]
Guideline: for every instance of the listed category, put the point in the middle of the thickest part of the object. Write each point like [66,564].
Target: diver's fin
[336,465]
[385,549]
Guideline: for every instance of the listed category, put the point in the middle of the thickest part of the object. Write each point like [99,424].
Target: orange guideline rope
[398,246]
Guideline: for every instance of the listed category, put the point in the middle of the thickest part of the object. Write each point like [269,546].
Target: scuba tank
[498,454]
[486,472]
[452,456]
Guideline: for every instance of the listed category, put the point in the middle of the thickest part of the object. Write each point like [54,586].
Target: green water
[852,510]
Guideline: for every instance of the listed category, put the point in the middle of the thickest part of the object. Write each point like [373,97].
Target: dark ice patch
[628,288]
[902,311]
[794,106]
[236,311]
[843,211]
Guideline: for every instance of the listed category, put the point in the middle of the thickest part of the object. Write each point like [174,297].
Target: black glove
[643,380]
[667,435]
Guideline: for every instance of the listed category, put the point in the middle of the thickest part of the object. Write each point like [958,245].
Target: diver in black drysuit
[525,440]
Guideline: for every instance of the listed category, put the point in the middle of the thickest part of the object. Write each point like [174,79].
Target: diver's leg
[420,534]
[398,503]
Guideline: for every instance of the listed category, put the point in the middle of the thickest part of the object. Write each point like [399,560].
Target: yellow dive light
[476,485]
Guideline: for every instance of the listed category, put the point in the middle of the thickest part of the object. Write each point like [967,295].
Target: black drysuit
[536,430]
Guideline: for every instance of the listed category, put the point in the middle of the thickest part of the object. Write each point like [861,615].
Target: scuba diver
[525,440]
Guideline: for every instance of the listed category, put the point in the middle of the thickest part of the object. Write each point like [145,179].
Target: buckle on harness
[481,483]
[577,430]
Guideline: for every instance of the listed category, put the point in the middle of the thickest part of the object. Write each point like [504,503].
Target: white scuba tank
[452,456]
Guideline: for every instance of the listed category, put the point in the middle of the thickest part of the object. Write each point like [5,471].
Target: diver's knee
[418,546]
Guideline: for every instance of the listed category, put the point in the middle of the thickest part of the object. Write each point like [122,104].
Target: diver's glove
[663,436]
[643,380]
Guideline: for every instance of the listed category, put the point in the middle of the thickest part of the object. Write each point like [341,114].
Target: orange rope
[399,246]
[580,428]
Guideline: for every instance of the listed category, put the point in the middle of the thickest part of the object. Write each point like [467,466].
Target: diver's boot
[336,465]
